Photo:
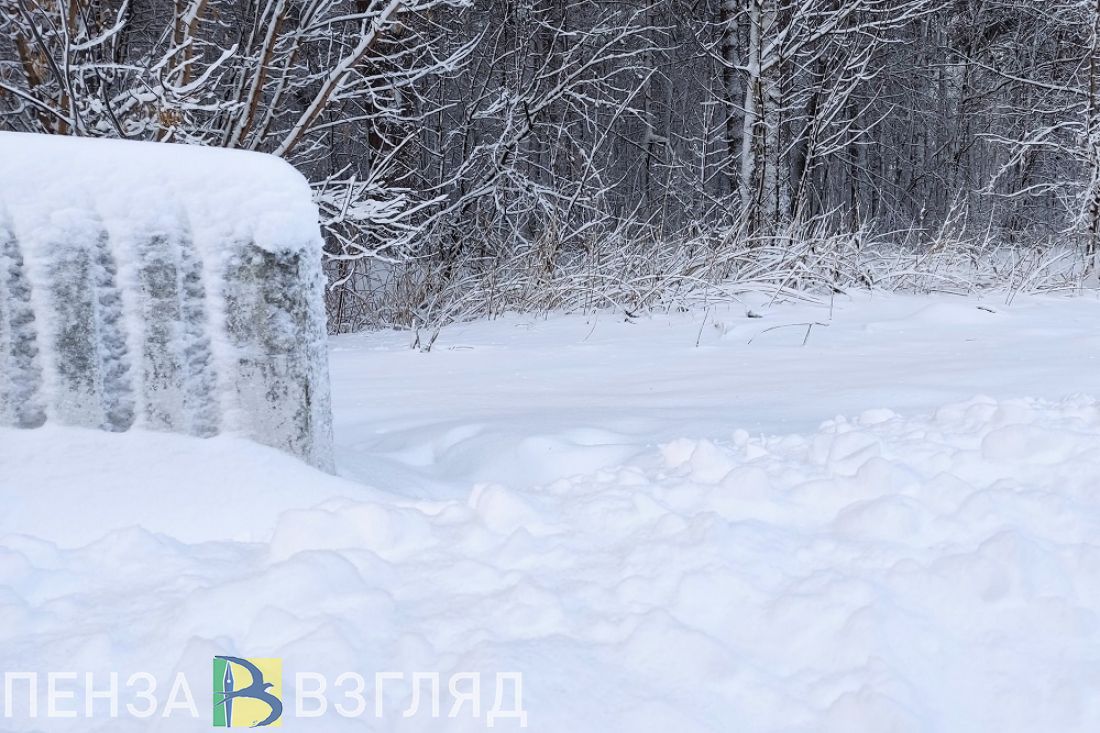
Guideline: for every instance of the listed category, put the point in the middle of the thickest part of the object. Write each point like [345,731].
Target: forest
[474,156]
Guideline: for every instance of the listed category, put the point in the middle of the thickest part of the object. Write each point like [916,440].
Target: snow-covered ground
[663,526]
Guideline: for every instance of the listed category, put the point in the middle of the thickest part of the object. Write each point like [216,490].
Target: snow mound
[161,286]
[927,573]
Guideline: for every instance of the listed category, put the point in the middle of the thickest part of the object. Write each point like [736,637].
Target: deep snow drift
[659,536]
[161,286]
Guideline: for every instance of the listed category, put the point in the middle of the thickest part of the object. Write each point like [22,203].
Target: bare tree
[460,144]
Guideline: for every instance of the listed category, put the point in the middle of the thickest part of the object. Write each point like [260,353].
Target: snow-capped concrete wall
[161,286]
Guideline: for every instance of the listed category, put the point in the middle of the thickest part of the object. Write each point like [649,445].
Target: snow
[225,195]
[164,286]
[505,400]
[890,528]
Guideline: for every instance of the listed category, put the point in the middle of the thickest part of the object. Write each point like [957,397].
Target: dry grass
[636,275]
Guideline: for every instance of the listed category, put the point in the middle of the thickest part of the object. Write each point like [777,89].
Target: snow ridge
[936,572]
